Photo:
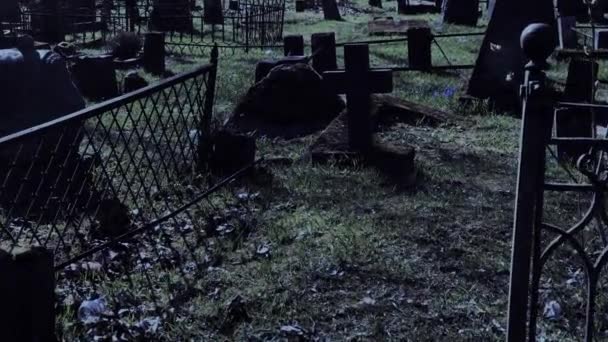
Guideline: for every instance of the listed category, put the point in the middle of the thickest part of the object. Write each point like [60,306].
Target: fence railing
[246,23]
[560,237]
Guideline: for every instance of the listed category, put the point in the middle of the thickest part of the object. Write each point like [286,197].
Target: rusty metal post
[537,43]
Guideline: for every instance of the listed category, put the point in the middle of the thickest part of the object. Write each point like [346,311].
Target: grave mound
[291,100]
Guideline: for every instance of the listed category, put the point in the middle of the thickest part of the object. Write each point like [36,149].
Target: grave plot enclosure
[116,193]
[189,24]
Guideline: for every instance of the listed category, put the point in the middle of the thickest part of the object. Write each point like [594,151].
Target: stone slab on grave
[388,26]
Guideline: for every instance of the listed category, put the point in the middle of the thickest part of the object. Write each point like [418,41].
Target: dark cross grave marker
[577,122]
[358,82]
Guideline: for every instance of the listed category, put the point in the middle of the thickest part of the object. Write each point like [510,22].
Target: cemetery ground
[341,253]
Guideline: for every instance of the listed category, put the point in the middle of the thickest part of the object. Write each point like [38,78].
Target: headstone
[95,77]
[35,87]
[498,71]
[565,30]
[323,46]
[359,82]
[577,122]
[48,25]
[233,5]
[154,53]
[262,68]
[461,12]
[213,12]
[133,81]
[293,45]
[600,41]
[330,10]
[290,93]
[27,293]
[171,15]
[419,48]
[300,5]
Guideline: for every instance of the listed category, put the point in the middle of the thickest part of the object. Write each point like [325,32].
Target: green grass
[351,256]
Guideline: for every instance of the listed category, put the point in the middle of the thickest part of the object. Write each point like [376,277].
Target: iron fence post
[210,92]
[535,131]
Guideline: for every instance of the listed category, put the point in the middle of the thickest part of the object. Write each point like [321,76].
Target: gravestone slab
[323,46]
[498,71]
[461,12]
[293,45]
[35,87]
[291,100]
[419,42]
[391,27]
[213,12]
[171,15]
[95,77]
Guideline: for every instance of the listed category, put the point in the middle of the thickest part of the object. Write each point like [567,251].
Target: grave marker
[154,53]
[358,82]
[293,45]
[461,12]
[323,47]
[95,77]
[389,26]
[171,15]
[419,41]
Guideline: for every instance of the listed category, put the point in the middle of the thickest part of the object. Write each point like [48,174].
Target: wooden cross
[358,82]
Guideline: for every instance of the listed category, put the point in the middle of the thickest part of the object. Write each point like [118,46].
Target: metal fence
[244,23]
[560,242]
[116,191]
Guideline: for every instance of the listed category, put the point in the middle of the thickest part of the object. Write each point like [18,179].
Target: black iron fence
[560,243]
[243,23]
[119,194]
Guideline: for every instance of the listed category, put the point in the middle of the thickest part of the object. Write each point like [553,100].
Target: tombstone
[419,41]
[600,40]
[358,82]
[231,152]
[330,10]
[577,122]
[566,34]
[213,12]
[95,77]
[133,81]
[154,53]
[48,26]
[323,46]
[300,5]
[171,15]
[234,5]
[35,88]
[498,71]
[461,12]
[293,45]
[262,68]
